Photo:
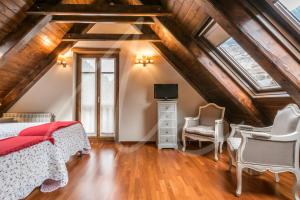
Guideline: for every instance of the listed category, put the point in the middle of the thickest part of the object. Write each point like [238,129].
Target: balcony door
[97,81]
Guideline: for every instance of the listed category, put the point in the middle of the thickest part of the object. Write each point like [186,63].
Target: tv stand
[167,124]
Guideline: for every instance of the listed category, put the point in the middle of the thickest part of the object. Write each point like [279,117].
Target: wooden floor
[114,171]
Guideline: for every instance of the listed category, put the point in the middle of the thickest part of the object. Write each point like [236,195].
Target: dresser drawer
[167,107]
[167,131]
[167,139]
[167,123]
[167,115]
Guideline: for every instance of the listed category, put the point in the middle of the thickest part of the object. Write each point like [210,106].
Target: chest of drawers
[167,124]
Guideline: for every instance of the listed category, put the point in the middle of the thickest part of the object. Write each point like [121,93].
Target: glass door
[88,105]
[107,97]
[97,95]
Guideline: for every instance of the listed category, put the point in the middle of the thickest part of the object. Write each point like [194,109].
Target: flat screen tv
[165,91]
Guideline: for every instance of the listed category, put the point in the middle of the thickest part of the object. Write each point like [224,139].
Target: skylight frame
[232,66]
[286,14]
[244,73]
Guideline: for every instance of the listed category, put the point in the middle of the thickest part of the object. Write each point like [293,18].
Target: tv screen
[165,91]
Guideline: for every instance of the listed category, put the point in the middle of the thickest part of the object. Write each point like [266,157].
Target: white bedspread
[22,171]
[13,129]
[70,140]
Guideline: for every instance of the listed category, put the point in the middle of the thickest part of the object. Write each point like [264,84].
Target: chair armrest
[255,134]
[190,122]
[235,128]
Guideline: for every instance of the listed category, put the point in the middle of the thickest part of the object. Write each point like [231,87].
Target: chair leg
[230,163]
[216,150]
[239,171]
[277,178]
[184,142]
[200,144]
[221,147]
[297,185]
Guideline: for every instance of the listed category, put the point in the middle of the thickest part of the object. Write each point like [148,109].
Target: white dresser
[167,124]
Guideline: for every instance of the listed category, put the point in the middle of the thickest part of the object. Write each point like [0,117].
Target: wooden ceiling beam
[29,27]
[43,67]
[101,19]
[103,10]
[13,42]
[259,43]
[110,37]
[212,82]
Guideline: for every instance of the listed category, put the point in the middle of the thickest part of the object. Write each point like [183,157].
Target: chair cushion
[234,143]
[201,130]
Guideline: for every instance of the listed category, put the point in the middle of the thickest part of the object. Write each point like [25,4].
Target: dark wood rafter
[29,27]
[110,37]
[103,10]
[44,66]
[251,35]
[213,83]
[101,19]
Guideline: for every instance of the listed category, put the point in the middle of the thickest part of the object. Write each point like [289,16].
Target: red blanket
[13,144]
[46,129]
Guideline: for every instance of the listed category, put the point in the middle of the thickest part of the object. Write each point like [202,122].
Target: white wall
[53,93]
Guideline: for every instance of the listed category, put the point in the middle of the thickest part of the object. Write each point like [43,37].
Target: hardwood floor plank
[116,171]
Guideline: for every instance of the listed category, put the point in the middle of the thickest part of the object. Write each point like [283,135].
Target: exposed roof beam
[109,37]
[29,27]
[103,10]
[258,42]
[101,19]
[44,66]
[12,43]
[213,82]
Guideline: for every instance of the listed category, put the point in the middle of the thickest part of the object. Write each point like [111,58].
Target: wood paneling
[187,13]
[19,68]
[124,172]
[40,68]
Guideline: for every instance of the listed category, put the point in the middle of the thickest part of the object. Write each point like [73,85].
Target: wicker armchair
[274,148]
[207,126]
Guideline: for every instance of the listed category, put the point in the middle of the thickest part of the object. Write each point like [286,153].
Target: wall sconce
[144,60]
[61,60]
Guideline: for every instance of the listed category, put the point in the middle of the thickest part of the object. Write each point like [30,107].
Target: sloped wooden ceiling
[178,46]
[17,67]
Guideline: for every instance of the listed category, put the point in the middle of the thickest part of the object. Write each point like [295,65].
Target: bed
[22,170]
[69,140]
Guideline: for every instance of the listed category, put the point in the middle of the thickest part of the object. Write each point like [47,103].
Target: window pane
[107,118]
[293,6]
[88,95]
[248,65]
[107,64]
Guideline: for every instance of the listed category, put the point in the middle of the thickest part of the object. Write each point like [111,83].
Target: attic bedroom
[149,99]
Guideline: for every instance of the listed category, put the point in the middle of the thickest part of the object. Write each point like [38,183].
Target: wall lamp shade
[144,60]
[61,60]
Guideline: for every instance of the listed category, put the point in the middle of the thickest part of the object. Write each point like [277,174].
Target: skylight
[240,62]
[247,65]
